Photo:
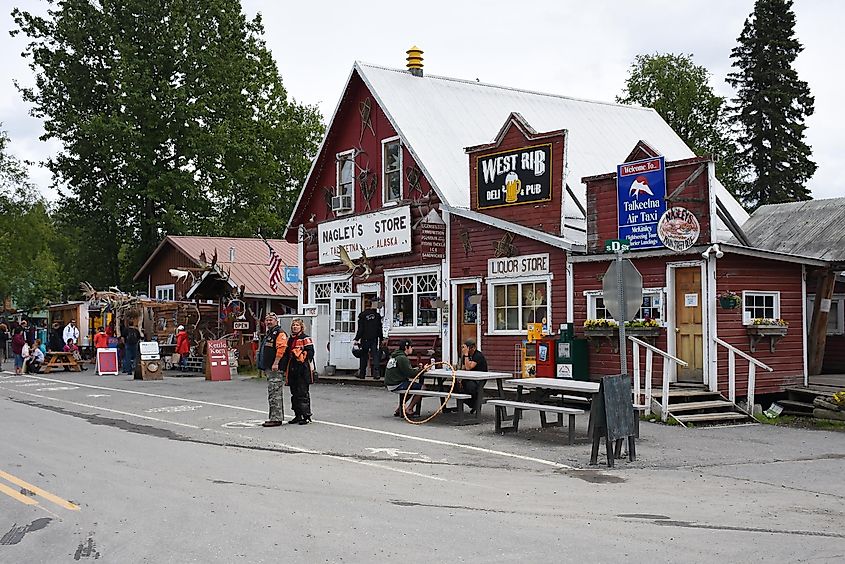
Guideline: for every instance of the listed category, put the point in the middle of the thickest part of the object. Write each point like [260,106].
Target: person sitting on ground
[397,376]
[472,359]
[32,364]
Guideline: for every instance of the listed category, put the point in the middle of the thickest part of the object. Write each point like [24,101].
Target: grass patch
[801,422]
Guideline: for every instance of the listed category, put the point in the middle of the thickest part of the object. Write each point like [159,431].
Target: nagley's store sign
[382,233]
[510,178]
[513,267]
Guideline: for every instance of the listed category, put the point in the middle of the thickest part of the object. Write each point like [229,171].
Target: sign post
[622,288]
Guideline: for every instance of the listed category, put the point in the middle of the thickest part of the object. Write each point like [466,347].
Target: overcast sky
[573,48]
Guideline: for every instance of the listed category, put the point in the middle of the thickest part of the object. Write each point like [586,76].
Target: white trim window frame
[765,304]
[413,288]
[836,315]
[166,292]
[321,288]
[391,170]
[654,301]
[345,185]
[507,310]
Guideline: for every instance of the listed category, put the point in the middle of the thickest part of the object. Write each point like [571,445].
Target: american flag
[275,268]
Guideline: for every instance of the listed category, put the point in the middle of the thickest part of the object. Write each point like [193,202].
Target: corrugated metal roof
[813,228]
[437,117]
[250,267]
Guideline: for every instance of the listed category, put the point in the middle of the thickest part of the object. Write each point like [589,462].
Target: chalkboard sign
[612,416]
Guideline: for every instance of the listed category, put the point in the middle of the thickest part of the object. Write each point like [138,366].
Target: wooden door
[467,315]
[689,329]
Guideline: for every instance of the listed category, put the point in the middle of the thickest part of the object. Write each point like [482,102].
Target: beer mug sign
[513,186]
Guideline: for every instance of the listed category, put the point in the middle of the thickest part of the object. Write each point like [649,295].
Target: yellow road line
[18,496]
[38,491]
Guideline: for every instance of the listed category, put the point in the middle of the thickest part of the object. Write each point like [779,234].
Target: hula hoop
[442,404]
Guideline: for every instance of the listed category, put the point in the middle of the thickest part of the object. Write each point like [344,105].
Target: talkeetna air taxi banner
[519,176]
[641,201]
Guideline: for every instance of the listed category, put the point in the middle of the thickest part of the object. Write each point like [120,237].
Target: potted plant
[729,299]
[766,327]
[644,328]
[648,329]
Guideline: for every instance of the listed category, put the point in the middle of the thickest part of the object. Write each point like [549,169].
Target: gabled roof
[813,228]
[437,117]
[250,267]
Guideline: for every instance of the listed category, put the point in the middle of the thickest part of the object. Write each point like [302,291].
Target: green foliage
[771,106]
[679,90]
[29,271]
[172,118]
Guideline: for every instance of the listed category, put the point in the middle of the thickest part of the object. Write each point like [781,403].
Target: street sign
[614,245]
[632,282]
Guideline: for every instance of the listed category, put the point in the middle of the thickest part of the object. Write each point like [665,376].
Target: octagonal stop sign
[632,281]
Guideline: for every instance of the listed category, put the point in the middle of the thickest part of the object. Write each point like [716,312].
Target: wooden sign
[433,240]
[217,361]
[107,362]
[612,417]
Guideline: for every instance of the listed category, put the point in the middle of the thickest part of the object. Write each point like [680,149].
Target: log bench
[520,406]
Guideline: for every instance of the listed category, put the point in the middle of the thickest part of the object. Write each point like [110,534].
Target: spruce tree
[771,106]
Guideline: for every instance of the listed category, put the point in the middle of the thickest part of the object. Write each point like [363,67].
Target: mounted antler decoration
[505,247]
[366,110]
[306,235]
[413,174]
[466,242]
[328,194]
[368,182]
[363,264]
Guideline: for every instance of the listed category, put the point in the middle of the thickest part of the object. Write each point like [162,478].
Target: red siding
[499,349]
[544,216]
[602,212]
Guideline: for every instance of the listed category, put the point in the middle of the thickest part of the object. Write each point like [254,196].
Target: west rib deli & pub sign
[519,176]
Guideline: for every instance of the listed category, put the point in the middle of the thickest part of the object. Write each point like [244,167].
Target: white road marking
[174,409]
[248,424]
[99,395]
[30,383]
[504,454]
[56,388]
[17,381]
[391,452]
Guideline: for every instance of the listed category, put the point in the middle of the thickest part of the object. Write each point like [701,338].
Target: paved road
[176,471]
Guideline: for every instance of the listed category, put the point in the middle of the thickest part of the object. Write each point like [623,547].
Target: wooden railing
[753,363]
[668,361]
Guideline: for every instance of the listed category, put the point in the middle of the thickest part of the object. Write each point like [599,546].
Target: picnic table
[55,359]
[442,374]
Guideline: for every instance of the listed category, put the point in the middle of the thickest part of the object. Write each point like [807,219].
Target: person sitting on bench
[474,360]
[397,376]
[32,364]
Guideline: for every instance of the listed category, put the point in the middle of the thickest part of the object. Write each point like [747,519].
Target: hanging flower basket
[729,300]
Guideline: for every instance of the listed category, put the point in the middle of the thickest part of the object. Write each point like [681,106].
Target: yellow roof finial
[415,60]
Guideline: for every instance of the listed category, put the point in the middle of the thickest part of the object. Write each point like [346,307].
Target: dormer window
[391,159]
[343,200]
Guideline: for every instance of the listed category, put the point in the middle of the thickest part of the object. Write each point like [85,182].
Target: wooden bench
[435,394]
[520,406]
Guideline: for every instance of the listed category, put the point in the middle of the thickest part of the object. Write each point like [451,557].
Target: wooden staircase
[698,405]
[800,398]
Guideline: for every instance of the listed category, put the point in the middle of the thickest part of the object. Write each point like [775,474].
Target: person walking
[369,336]
[131,340]
[183,346]
[71,331]
[296,362]
[270,354]
[4,338]
[18,344]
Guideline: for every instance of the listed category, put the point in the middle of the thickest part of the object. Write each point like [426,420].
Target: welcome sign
[511,178]
[641,201]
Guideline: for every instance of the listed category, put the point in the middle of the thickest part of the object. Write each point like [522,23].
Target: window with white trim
[516,304]
[321,292]
[760,304]
[166,292]
[346,180]
[652,307]
[835,317]
[412,298]
[391,158]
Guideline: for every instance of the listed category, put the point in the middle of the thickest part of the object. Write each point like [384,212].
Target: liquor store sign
[511,178]
[512,267]
[382,233]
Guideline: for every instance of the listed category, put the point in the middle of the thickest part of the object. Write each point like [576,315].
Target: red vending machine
[545,357]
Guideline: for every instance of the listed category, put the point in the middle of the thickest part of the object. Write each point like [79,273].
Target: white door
[344,324]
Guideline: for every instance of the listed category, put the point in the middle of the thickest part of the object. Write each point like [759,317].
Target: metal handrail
[649,357]
[753,363]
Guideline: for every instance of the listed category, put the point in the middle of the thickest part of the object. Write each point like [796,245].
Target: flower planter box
[757,333]
[597,334]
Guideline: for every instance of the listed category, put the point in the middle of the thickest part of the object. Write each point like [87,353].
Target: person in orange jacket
[101,340]
[183,346]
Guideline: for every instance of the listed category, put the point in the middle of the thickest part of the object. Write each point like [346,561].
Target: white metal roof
[437,117]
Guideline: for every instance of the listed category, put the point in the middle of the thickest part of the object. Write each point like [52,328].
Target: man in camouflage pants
[269,354]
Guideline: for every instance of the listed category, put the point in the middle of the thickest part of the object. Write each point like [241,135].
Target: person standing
[101,340]
[270,354]
[18,344]
[474,360]
[296,362]
[56,342]
[131,340]
[4,338]
[183,346]
[369,336]
[28,332]
[71,331]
